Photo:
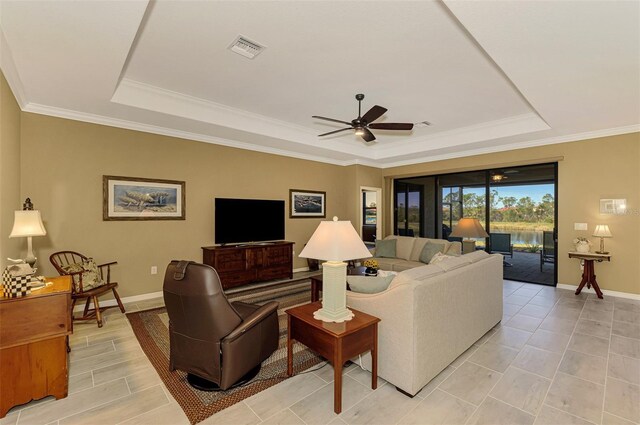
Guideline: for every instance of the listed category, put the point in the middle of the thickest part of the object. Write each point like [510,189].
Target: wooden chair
[65,258]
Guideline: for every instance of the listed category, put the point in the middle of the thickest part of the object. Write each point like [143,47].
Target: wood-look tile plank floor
[555,358]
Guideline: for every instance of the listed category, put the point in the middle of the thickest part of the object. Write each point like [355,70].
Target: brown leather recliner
[217,343]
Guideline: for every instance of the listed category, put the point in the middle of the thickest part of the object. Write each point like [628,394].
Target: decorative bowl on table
[582,244]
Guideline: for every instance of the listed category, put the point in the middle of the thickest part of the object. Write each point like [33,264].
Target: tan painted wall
[591,169]
[71,157]
[9,172]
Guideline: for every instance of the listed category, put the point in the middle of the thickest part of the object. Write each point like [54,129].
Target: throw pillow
[386,248]
[429,250]
[438,256]
[369,284]
[90,274]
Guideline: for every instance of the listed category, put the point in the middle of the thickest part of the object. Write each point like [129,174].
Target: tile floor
[555,359]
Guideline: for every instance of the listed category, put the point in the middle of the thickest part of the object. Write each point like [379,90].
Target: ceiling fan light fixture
[498,177]
[359,131]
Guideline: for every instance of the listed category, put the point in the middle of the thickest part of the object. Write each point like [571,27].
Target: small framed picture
[613,206]
[137,198]
[307,204]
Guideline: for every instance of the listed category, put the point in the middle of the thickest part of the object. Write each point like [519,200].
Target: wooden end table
[316,281]
[589,275]
[336,342]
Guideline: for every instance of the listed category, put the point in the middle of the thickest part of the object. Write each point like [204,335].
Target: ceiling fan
[362,124]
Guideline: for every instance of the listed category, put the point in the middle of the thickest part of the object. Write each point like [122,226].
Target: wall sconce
[613,206]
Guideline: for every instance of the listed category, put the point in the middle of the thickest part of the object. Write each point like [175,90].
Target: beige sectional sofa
[432,314]
[408,251]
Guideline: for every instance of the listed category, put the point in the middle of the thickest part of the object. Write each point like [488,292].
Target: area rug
[151,329]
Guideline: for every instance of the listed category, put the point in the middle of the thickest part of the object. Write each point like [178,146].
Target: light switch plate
[579,226]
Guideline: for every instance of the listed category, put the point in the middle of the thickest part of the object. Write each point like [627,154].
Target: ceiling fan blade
[374,113]
[392,126]
[331,119]
[336,131]
[368,136]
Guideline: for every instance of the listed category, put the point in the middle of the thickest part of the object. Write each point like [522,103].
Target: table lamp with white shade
[336,242]
[28,223]
[602,231]
[469,228]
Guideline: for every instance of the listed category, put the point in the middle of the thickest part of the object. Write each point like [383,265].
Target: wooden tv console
[241,264]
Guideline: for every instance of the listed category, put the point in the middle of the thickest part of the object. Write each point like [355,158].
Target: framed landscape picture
[306,204]
[136,198]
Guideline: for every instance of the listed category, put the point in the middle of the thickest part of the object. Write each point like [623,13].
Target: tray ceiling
[488,75]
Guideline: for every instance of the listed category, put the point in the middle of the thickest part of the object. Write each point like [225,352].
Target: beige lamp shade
[27,223]
[335,241]
[602,231]
[469,228]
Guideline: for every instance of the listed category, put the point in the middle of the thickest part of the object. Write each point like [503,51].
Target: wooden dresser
[33,344]
[241,264]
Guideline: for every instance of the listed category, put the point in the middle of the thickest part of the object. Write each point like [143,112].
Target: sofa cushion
[386,248]
[454,248]
[369,284]
[404,246]
[387,263]
[453,263]
[429,250]
[476,256]
[416,274]
[406,265]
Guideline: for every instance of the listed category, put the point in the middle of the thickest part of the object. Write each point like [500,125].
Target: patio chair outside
[501,243]
[548,251]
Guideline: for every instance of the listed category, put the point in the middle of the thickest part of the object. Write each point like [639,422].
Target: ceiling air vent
[245,47]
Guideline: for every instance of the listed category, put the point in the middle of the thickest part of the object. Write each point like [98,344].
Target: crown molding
[10,72]
[147,128]
[576,137]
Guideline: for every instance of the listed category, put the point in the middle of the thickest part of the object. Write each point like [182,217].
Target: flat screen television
[248,220]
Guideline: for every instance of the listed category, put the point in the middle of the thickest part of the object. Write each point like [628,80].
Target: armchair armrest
[108,266]
[255,318]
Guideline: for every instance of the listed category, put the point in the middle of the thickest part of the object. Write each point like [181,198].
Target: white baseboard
[301,269]
[132,299]
[604,291]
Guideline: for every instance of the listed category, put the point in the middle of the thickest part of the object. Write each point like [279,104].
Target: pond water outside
[525,237]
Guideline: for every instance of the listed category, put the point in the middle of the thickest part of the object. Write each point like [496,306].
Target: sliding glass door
[517,206]
[409,210]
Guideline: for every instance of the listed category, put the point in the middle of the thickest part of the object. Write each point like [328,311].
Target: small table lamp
[602,231]
[28,223]
[469,228]
[335,241]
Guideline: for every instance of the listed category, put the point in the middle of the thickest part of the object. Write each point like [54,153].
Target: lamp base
[468,246]
[332,316]
[334,293]
[602,252]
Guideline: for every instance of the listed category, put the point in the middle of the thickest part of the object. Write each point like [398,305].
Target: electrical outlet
[154,270]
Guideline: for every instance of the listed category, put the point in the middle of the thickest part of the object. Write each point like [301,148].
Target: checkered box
[15,286]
